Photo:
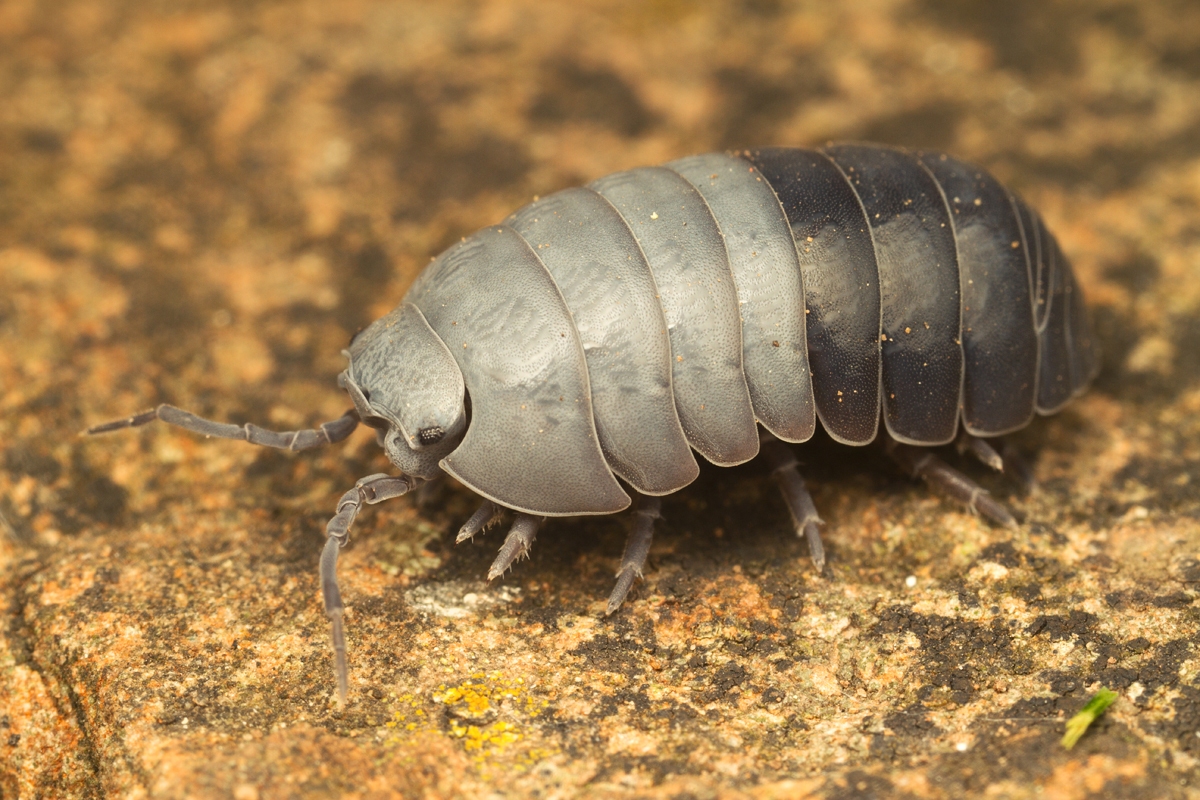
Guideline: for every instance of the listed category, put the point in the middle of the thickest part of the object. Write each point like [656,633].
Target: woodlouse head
[407,386]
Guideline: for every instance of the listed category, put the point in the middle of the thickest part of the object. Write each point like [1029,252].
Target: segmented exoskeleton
[583,350]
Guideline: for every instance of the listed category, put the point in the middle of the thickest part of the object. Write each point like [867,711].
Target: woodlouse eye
[432,435]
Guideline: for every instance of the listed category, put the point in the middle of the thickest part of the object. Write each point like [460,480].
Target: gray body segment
[686,253]
[608,287]
[531,444]
[766,274]
[610,330]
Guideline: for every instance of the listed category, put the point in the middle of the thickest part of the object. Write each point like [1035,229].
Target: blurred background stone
[201,202]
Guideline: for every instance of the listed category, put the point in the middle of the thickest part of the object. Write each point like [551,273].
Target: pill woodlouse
[608,331]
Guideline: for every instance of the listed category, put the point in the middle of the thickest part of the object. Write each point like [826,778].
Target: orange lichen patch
[185,33]
[61,295]
[824,624]
[277,655]
[741,598]
[242,356]
[28,266]
[325,208]
[681,627]
[255,288]
[582,629]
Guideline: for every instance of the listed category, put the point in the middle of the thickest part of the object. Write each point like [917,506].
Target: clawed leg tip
[994,512]
[620,591]
[1003,520]
[816,548]
[485,515]
[516,545]
[614,602]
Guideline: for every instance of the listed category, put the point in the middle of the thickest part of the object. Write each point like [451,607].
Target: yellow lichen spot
[486,715]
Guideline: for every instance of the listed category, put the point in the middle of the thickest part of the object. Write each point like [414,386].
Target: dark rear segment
[979,311]
[1000,343]
[919,286]
[780,286]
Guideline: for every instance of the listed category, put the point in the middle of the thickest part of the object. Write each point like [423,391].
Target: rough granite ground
[200,202]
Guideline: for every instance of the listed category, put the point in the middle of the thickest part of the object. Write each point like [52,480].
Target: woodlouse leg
[940,475]
[637,548]
[326,433]
[487,513]
[981,449]
[516,545]
[370,490]
[799,502]
[1007,460]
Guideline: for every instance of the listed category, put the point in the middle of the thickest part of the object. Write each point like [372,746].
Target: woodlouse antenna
[326,433]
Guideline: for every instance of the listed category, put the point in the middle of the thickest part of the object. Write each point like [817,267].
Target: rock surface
[200,202]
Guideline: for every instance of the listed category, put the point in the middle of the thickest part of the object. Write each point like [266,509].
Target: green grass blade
[1078,724]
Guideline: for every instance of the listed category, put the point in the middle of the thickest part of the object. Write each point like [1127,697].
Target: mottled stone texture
[200,202]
